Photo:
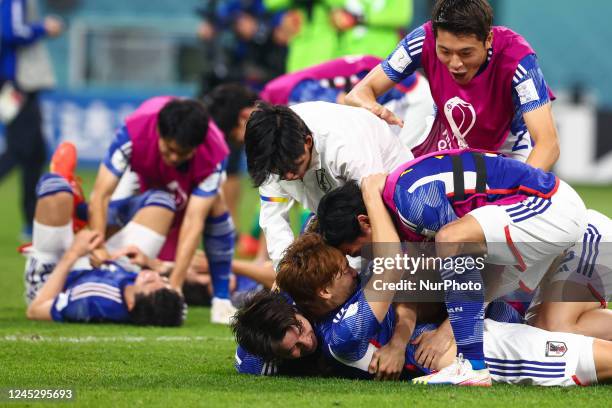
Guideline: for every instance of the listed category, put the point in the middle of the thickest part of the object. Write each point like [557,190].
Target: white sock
[51,242]
[147,240]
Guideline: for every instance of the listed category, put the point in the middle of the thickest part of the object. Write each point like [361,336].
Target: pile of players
[471,176]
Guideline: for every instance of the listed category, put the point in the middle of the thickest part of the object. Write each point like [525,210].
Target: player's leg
[219,242]
[460,240]
[586,318]
[150,217]
[52,230]
[602,354]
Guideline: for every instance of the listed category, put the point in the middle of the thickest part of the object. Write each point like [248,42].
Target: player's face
[463,55]
[298,341]
[173,154]
[301,163]
[149,281]
[343,286]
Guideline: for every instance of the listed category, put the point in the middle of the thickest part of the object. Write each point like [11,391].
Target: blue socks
[466,311]
[219,241]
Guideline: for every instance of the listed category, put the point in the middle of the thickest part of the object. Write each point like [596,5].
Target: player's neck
[128,296]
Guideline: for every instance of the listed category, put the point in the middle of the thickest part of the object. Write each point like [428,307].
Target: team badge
[555,349]
[323,180]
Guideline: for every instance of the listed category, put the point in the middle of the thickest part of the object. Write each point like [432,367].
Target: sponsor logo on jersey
[527,91]
[323,180]
[555,349]
[400,59]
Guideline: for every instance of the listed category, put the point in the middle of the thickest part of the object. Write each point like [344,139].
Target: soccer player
[302,152]
[62,286]
[171,144]
[514,214]
[231,104]
[489,90]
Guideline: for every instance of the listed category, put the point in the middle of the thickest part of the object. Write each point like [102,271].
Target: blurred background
[111,55]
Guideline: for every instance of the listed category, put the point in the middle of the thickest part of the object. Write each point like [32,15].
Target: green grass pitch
[112,365]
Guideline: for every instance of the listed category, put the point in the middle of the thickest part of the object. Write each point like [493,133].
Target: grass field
[112,365]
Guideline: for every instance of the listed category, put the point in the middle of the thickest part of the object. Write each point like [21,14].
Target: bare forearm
[544,154]
[57,279]
[405,322]
[263,273]
[189,237]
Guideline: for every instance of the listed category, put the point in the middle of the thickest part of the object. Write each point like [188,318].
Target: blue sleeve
[119,154]
[211,184]
[352,329]
[247,363]
[15,29]
[529,89]
[406,58]
[312,90]
[427,207]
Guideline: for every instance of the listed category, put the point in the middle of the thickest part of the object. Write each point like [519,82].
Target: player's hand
[431,347]
[134,254]
[385,114]
[374,183]
[53,26]
[99,256]
[85,241]
[388,362]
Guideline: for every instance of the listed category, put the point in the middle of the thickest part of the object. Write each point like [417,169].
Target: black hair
[274,141]
[337,214]
[262,321]
[163,307]
[225,103]
[463,17]
[184,121]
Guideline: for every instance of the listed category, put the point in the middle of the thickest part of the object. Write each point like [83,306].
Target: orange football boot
[63,163]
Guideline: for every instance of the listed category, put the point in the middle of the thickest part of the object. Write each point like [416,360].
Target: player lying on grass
[61,285]
[470,204]
[172,145]
[358,333]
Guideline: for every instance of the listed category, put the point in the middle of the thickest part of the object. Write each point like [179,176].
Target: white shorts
[529,235]
[522,354]
[587,264]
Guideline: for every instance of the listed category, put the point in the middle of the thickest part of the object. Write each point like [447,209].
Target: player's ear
[364,224]
[324,293]
[489,40]
[308,141]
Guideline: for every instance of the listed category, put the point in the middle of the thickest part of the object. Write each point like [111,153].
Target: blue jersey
[431,192]
[94,295]
[327,90]
[15,32]
[352,335]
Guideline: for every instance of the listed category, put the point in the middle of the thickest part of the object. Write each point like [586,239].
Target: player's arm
[15,30]
[386,244]
[541,126]
[404,61]
[40,308]
[274,220]
[198,208]
[531,97]
[388,362]
[114,165]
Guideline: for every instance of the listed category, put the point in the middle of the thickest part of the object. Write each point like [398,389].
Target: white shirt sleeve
[274,220]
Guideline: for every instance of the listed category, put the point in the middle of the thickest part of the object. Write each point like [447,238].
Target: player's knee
[161,199]
[554,323]
[52,184]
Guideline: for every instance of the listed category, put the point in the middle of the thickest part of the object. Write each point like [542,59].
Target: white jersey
[349,144]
